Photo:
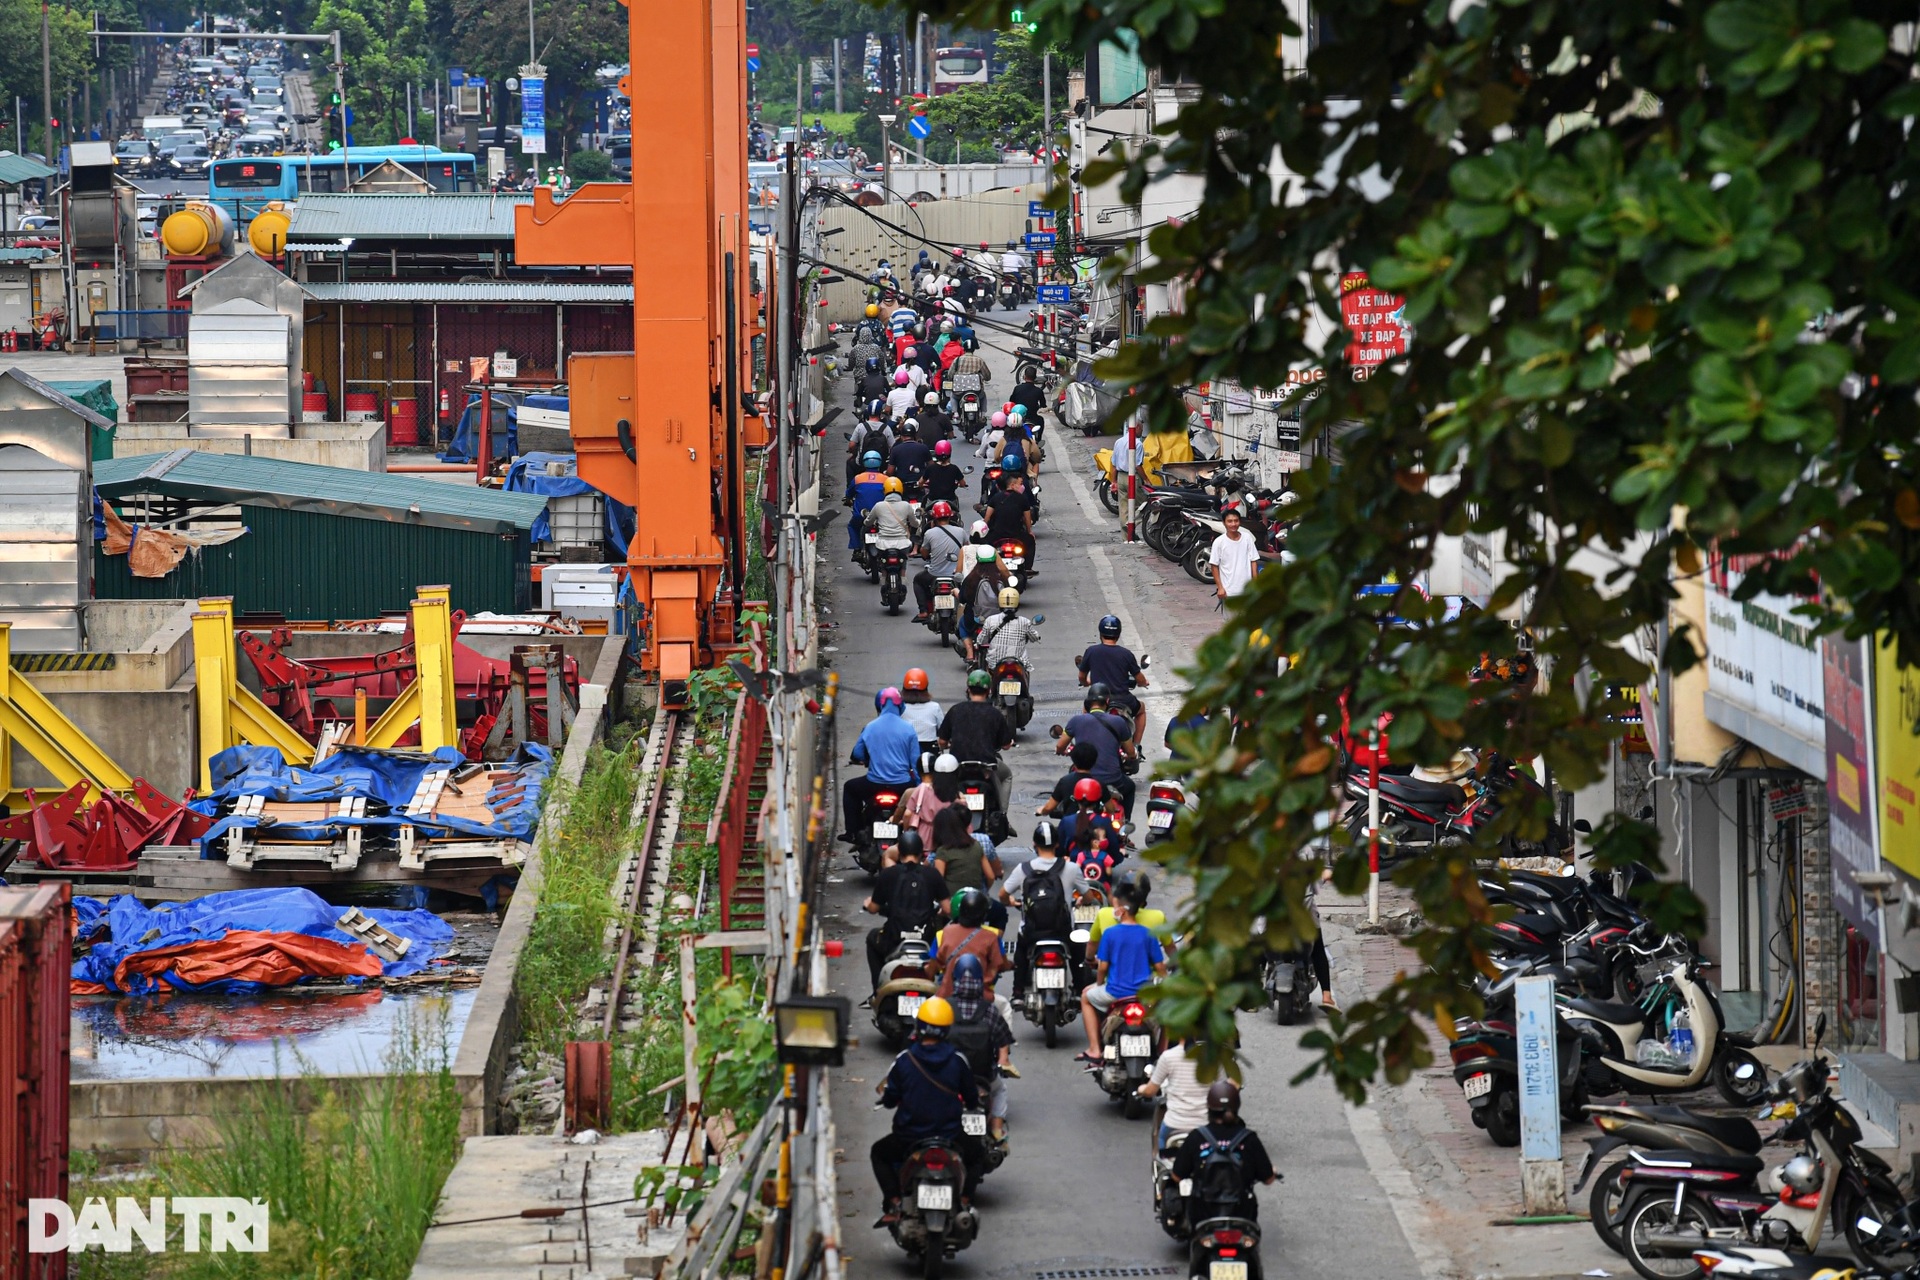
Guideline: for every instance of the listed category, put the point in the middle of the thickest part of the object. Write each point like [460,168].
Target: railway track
[643,883]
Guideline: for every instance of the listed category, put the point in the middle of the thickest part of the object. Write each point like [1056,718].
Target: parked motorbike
[1012,692]
[1129,1043]
[904,986]
[1166,797]
[946,610]
[1654,1128]
[1105,483]
[876,829]
[935,1220]
[893,577]
[1486,1064]
[1416,813]
[1677,996]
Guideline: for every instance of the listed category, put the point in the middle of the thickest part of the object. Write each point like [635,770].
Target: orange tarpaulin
[243,955]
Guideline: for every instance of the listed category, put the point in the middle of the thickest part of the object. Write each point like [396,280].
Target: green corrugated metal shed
[97,395]
[381,216]
[324,543]
[16,169]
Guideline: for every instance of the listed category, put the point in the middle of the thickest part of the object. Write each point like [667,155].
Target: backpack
[1218,1180]
[875,442]
[912,904]
[1043,904]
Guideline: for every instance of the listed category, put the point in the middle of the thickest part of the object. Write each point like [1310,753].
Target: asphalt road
[1076,1192]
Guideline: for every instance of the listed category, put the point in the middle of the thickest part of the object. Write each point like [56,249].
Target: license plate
[976,801]
[873,539]
[886,830]
[973,1124]
[1050,979]
[1010,688]
[1477,1086]
[1227,1271]
[910,1006]
[1085,915]
[1012,562]
[943,603]
[1160,819]
[1136,1046]
[932,1197]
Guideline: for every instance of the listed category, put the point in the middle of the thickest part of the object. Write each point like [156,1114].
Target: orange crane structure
[666,427]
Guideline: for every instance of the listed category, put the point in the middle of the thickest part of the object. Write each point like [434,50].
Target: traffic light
[1017,17]
[334,99]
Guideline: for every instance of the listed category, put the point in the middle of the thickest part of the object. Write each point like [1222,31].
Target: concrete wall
[152,735]
[357,446]
[131,1120]
[993,216]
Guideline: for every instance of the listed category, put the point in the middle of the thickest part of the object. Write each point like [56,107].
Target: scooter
[1221,1244]
[1417,813]
[1287,977]
[1051,999]
[1011,692]
[893,575]
[946,610]
[1129,1043]
[1166,797]
[904,986]
[1676,996]
[868,556]
[969,416]
[935,1222]
[1486,1065]
[1654,1128]
[876,829]
[1104,481]
[977,794]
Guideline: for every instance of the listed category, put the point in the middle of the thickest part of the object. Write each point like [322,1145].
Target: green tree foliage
[1616,226]
[574,39]
[984,113]
[72,56]
[384,42]
[590,166]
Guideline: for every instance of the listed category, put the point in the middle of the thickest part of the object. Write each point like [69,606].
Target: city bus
[958,68]
[244,185]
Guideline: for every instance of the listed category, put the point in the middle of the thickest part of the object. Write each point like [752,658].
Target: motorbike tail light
[1609,1123]
[1012,549]
[1708,1262]
[1229,1253]
[1050,960]
[1228,1235]
[1469,1052]
[1008,670]
[887,798]
[1160,792]
[1134,1014]
[935,1159]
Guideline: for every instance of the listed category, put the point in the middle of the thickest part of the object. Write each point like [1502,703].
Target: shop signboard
[1764,666]
[1896,708]
[1848,703]
[1375,320]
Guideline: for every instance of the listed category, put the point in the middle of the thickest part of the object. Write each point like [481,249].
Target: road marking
[1100,516]
[1396,1180]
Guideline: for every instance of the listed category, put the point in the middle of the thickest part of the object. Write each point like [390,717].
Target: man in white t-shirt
[1233,557]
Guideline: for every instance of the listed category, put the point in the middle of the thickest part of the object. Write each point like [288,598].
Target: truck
[160,126]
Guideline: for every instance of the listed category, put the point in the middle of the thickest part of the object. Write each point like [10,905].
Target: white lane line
[1396,1180]
[1058,456]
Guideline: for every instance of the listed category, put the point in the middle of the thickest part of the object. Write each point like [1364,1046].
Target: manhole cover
[1103,1273]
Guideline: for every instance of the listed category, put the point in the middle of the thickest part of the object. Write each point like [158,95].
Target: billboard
[1896,703]
[533,115]
[1375,320]
[1847,698]
[1763,658]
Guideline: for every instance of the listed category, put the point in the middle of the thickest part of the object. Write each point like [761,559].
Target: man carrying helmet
[1112,664]
[929,1088]
[1216,1152]
[1006,635]
[867,490]
[940,544]
[890,750]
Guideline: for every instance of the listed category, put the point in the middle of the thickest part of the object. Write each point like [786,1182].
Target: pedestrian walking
[1234,558]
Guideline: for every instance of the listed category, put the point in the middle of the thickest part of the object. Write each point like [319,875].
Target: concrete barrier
[357,446]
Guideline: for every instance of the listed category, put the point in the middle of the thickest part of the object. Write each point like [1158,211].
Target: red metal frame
[65,833]
[36,948]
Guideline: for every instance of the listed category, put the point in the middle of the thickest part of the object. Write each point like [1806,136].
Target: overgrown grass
[564,954]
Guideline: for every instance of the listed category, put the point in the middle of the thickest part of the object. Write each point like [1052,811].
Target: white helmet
[932,397]
[1287,498]
[979,529]
[947,763]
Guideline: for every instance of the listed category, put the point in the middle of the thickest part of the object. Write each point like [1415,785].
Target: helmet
[932,398]
[942,449]
[1137,883]
[909,844]
[978,680]
[941,510]
[935,1016]
[911,353]
[871,459]
[957,252]
[1013,462]
[1110,627]
[886,696]
[999,418]
[909,426]
[1098,695]
[1802,1174]
[1043,836]
[873,311]
[983,244]
[1009,598]
[923,257]
[873,364]
[946,326]
[1287,498]
[900,378]
[968,972]
[1088,791]
[916,678]
[987,555]
[969,908]
[1013,244]
[1223,1095]
[892,485]
[946,762]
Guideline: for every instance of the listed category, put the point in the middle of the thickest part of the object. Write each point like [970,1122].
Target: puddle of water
[274,1033]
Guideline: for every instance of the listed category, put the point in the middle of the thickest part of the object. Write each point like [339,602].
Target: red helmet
[983,244]
[914,679]
[1088,791]
[942,449]
[942,510]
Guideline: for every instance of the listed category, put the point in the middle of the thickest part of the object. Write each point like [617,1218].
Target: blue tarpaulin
[529,474]
[465,445]
[135,929]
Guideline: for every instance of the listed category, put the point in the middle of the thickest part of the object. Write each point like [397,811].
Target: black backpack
[875,442]
[1218,1180]
[1043,902]
[912,904]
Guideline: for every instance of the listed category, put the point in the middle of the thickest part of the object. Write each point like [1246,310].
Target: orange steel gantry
[664,428]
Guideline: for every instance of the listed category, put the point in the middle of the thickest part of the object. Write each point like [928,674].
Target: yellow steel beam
[49,737]
[430,698]
[230,713]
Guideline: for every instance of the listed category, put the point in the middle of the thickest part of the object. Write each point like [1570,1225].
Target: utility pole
[340,87]
[799,100]
[1046,112]
[886,157]
[46,84]
[837,107]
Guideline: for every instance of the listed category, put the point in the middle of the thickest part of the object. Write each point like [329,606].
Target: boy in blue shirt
[1129,957]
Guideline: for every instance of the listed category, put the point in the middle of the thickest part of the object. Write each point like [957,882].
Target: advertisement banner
[1375,320]
[1850,778]
[1762,657]
[533,115]
[1896,703]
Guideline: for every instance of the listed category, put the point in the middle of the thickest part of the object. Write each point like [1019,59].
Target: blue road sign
[1055,294]
[1041,239]
[1539,1069]
[753,64]
[456,76]
[1038,209]
[918,127]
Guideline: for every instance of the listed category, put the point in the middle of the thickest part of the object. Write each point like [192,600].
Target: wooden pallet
[247,846]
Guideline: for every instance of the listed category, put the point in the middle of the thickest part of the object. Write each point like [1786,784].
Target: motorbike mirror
[1146,660]
[1054,731]
[1127,829]
[1584,827]
[1039,618]
[1819,1030]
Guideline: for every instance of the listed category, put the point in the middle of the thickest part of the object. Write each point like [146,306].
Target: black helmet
[1223,1099]
[1135,883]
[909,845]
[1043,836]
[873,366]
[970,908]
[1110,627]
[1097,695]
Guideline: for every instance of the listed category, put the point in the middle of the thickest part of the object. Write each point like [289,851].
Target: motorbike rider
[1176,1080]
[980,589]
[1060,800]
[980,1032]
[871,327]
[940,544]
[1139,888]
[935,425]
[929,1088]
[1005,636]
[900,399]
[1112,738]
[975,730]
[971,373]
[1129,958]
[1014,267]
[1112,664]
[867,489]
[909,457]
[873,436]
[893,521]
[873,384]
[1226,1134]
[908,896]
[920,710]
[1044,887]
[1089,835]
[890,749]
[969,934]
[1028,395]
[967,859]
[944,478]
[1010,511]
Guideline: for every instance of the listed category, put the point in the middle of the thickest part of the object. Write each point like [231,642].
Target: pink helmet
[900,378]
[944,449]
[999,419]
[890,694]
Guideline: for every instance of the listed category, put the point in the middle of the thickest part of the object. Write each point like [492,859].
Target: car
[130,153]
[266,80]
[191,158]
[257,144]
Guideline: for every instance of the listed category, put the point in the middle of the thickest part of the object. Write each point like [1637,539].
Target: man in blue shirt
[929,1087]
[867,488]
[1129,958]
[890,748]
[1111,737]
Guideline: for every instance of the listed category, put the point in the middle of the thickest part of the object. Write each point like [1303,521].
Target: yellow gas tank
[198,231]
[267,233]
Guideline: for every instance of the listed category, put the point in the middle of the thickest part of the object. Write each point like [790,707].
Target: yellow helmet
[893,485]
[935,1012]
[1009,598]
[873,311]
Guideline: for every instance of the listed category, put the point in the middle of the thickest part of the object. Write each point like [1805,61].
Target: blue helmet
[1012,462]
[889,696]
[1110,627]
[969,975]
[870,459]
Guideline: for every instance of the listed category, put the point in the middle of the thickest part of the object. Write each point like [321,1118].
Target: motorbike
[1221,1244]
[1051,998]
[876,828]
[1013,557]
[868,556]
[935,1220]
[1655,1128]
[1129,1043]
[1012,692]
[946,610]
[904,986]
[1166,797]
[1612,1037]
[969,416]
[977,794]
[1486,1066]
[1287,978]
[1675,1203]
[1105,483]
[1417,813]
[893,576]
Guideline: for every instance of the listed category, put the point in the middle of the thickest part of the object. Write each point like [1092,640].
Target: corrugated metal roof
[378,216]
[16,169]
[11,254]
[479,291]
[301,486]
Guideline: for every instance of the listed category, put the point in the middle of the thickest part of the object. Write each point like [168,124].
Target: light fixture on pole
[811,1031]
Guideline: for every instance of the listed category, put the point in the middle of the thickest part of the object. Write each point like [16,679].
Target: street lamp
[886,157]
[811,1031]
